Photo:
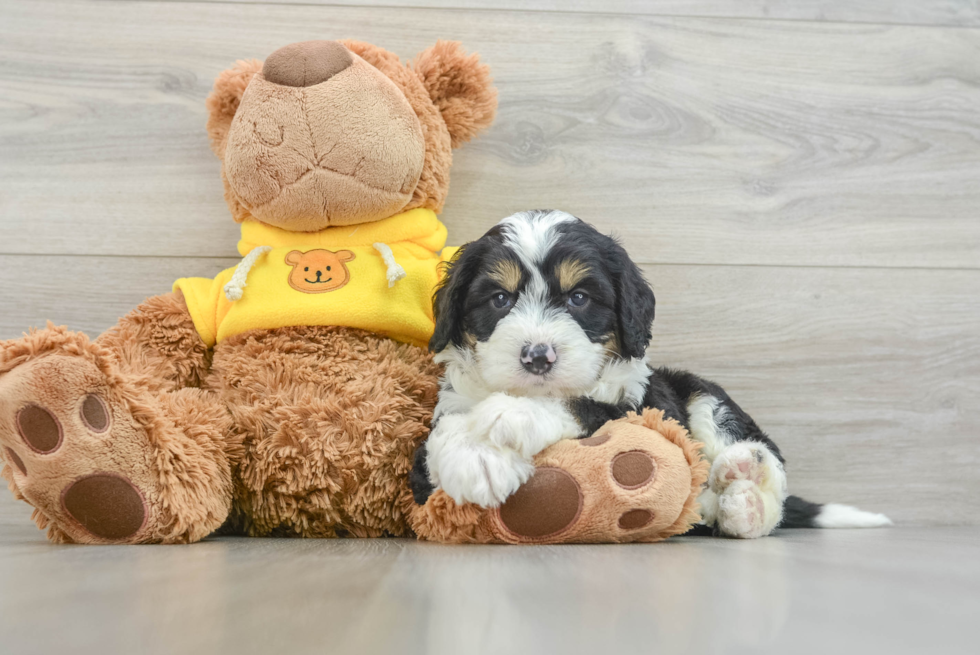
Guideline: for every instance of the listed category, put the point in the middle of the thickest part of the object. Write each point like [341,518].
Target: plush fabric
[153,434]
[343,152]
[174,447]
[331,418]
[307,63]
[283,289]
[635,479]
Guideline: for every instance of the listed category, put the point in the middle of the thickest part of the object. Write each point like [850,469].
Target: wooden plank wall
[798,179]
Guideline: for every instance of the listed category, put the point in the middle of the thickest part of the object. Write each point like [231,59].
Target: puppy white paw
[515,430]
[482,475]
[745,460]
[751,486]
[742,511]
[515,423]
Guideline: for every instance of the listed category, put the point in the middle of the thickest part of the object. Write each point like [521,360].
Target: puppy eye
[578,299]
[500,300]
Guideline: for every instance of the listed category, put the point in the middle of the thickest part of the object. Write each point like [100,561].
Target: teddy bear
[288,395]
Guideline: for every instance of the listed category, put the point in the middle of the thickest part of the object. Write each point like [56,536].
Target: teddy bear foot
[76,452]
[635,479]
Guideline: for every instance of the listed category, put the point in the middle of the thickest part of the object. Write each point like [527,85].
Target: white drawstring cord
[395,271]
[233,290]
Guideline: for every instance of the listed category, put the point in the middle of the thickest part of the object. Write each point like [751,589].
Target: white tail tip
[833,515]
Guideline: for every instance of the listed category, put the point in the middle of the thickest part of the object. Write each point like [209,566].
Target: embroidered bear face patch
[317,271]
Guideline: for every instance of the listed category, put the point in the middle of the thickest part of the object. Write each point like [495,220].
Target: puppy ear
[223,101]
[460,87]
[450,296]
[635,305]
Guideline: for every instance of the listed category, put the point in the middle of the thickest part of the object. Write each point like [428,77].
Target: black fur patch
[592,414]
[620,302]
[672,390]
[582,243]
[463,301]
[799,513]
[418,479]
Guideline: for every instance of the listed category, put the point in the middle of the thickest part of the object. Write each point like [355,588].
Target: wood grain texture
[697,140]
[897,591]
[866,378]
[954,13]
[88,294]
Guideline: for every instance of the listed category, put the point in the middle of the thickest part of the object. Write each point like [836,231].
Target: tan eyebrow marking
[507,274]
[570,272]
[611,344]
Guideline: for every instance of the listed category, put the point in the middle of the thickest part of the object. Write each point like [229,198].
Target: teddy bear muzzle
[323,138]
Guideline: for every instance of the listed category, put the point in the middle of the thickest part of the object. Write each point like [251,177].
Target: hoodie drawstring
[233,290]
[395,271]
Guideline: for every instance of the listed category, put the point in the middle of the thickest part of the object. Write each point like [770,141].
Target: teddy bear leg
[635,479]
[102,439]
[331,417]
[746,491]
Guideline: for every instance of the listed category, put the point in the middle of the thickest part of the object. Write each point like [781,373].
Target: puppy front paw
[515,430]
[482,475]
[514,423]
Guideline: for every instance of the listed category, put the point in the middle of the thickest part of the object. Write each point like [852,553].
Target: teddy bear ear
[294,257]
[345,255]
[461,88]
[223,101]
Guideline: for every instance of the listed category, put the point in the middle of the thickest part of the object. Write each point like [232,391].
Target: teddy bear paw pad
[546,505]
[635,519]
[39,428]
[65,439]
[107,505]
[633,469]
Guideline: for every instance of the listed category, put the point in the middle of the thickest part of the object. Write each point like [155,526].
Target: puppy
[543,325]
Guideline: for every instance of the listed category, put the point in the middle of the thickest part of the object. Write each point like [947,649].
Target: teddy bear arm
[159,342]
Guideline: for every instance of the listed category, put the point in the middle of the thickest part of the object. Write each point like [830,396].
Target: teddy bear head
[327,133]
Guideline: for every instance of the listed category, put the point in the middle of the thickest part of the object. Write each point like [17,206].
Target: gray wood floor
[798,179]
[896,591]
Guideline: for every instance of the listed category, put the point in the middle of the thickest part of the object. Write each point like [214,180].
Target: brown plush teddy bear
[288,395]
[273,400]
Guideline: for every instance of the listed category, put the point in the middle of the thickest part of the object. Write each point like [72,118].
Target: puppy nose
[539,358]
[306,63]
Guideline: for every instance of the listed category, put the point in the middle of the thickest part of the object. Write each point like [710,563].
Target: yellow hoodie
[375,276]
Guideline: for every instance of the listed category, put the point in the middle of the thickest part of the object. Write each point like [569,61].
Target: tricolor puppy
[543,326]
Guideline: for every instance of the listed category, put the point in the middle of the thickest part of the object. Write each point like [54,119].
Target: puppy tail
[799,513]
